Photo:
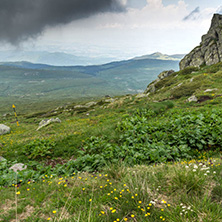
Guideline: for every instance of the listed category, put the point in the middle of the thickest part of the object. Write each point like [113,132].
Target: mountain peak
[216,21]
[157,54]
[209,51]
[160,56]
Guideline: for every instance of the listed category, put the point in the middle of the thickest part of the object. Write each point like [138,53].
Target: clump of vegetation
[38,149]
[185,90]
[168,81]
[188,70]
[214,68]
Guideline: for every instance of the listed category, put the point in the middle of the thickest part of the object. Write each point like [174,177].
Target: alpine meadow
[134,140]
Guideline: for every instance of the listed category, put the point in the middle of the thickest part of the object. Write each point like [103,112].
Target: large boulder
[209,51]
[4,129]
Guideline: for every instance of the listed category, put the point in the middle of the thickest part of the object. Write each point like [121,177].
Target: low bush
[188,70]
[38,149]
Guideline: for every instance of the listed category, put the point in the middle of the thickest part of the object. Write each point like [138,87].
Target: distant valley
[28,83]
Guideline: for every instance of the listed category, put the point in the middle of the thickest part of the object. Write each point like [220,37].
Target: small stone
[4,129]
[210,90]
[46,122]
[2,159]
[6,114]
[18,166]
[192,99]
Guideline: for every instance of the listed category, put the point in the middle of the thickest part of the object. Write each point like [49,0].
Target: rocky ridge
[151,88]
[209,51]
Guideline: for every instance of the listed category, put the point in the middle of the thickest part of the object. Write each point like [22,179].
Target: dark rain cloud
[21,19]
[192,15]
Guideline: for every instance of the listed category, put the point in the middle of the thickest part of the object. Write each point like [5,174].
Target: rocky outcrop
[164,74]
[4,129]
[209,51]
[151,87]
[84,108]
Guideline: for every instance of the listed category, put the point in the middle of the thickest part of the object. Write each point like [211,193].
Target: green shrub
[188,70]
[39,148]
[168,81]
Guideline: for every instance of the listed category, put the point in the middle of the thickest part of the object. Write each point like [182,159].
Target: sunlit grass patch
[163,192]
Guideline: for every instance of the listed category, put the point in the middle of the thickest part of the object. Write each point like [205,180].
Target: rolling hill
[28,83]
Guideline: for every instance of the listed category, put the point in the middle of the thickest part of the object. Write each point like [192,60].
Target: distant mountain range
[29,82]
[51,58]
[64,59]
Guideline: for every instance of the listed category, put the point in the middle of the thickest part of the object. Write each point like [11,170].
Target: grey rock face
[4,129]
[209,51]
[46,122]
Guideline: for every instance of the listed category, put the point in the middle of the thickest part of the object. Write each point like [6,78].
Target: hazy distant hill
[51,58]
[64,59]
[23,81]
[158,55]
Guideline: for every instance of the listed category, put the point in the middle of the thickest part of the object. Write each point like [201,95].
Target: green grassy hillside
[153,157]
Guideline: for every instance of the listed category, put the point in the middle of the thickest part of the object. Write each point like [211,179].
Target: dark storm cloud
[21,19]
[192,15]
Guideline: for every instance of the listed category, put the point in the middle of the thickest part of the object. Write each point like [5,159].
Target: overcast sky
[109,28]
